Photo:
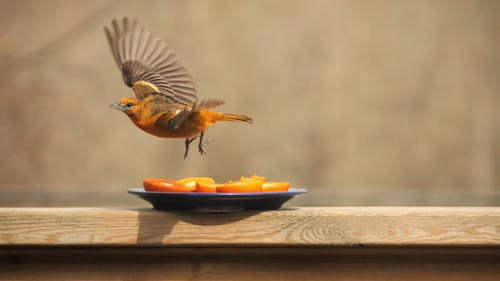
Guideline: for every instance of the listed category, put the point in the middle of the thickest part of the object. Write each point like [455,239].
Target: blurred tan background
[362,102]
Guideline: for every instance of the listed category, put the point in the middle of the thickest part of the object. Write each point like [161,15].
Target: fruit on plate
[191,182]
[240,186]
[163,185]
[208,185]
[275,186]
[253,178]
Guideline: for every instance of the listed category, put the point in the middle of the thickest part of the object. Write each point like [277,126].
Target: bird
[165,103]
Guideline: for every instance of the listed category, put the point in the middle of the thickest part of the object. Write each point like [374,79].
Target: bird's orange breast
[194,124]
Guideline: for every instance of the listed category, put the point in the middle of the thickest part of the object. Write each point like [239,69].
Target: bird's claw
[187,142]
[200,144]
[201,150]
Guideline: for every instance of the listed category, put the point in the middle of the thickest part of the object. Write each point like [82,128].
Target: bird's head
[131,106]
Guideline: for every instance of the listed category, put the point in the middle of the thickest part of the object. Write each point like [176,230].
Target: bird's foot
[187,142]
[201,150]
[200,145]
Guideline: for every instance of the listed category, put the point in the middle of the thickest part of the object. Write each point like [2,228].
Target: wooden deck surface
[364,226]
[390,243]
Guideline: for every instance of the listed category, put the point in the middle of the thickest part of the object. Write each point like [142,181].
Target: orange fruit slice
[206,187]
[191,182]
[275,186]
[162,185]
[240,186]
[253,178]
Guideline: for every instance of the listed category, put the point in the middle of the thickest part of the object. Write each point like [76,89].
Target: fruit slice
[275,186]
[240,186]
[253,178]
[191,182]
[162,185]
[206,187]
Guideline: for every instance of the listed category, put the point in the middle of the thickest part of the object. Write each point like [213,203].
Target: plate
[214,202]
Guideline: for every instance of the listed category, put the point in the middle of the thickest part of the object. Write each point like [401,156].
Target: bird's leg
[200,144]
[186,143]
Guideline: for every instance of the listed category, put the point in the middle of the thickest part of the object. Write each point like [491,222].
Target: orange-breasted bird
[166,103]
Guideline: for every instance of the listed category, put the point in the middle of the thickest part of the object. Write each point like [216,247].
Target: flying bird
[165,102]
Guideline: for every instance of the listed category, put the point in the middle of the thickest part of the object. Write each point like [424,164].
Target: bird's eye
[129,104]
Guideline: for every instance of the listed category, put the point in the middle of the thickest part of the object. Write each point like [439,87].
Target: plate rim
[291,191]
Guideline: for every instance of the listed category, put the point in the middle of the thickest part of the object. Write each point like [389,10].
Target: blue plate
[216,201]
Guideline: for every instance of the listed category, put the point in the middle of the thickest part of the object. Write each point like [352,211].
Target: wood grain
[337,227]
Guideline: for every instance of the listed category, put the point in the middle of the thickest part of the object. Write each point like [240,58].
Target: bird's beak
[117,106]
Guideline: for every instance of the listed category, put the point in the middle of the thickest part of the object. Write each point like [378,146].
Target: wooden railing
[392,243]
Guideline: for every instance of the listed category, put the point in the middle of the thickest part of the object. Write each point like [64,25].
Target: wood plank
[253,270]
[337,227]
[249,263]
[309,254]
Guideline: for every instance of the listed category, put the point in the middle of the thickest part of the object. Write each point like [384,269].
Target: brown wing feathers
[148,65]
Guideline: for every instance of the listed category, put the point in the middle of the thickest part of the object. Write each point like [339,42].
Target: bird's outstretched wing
[147,64]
